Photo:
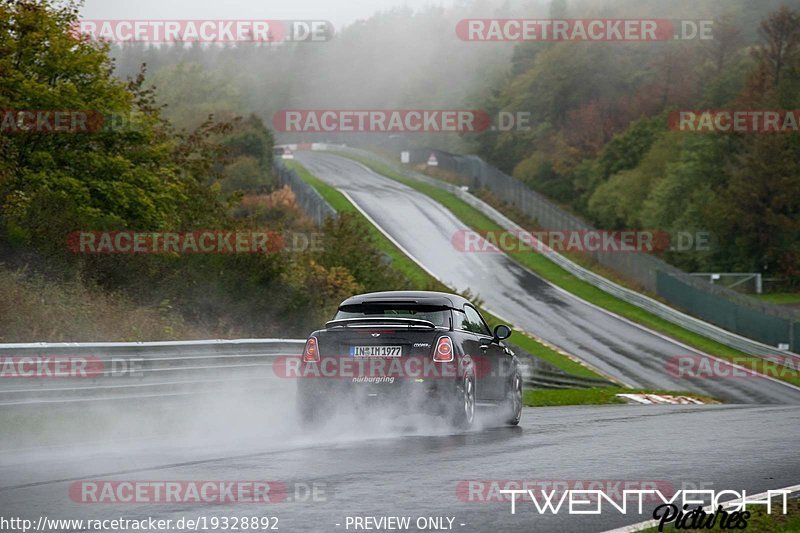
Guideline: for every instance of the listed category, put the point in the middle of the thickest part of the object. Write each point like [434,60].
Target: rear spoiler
[387,321]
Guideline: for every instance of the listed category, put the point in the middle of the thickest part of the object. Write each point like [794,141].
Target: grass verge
[538,263]
[779,298]
[597,396]
[400,261]
[35,309]
[759,521]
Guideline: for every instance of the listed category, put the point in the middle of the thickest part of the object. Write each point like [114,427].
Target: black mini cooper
[420,351]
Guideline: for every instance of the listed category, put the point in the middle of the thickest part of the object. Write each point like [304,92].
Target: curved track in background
[611,344]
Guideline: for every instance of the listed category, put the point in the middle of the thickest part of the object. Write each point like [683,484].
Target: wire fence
[772,324]
[716,312]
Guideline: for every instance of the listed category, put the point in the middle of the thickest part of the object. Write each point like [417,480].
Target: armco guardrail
[659,309]
[539,374]
[145,370]
[309,200]
[120,371]
[543,379]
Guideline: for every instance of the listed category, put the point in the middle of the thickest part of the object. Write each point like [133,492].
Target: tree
[760,210]
[725,45]
[618,203]
[781,35]
[191,93]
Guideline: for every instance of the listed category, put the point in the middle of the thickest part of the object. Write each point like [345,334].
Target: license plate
[376,351]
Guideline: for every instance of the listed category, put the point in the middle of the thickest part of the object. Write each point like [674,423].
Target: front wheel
[513,404]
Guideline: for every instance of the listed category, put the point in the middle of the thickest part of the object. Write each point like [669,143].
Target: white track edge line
[535,337]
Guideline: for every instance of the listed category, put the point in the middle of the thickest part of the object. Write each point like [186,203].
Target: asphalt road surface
[619,349]
[366,467]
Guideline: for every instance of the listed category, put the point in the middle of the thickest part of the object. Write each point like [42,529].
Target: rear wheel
[464,415]
[513,407]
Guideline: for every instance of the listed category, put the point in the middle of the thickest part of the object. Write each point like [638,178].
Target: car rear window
[440,316]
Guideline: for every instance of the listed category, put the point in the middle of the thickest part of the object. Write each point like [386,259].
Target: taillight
[444,350]
[311,352]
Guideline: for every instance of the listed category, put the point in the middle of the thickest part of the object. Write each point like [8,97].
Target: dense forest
[140,171]
[602,145]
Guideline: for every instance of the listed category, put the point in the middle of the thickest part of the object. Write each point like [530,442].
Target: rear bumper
[432,396]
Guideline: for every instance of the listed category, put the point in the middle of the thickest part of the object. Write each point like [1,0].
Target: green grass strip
[598,396]
[779,298]
[758,522]
[401,262]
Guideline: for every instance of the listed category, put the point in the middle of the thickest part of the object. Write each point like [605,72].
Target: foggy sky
[335,11]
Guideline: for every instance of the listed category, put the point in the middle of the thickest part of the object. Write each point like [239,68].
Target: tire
[464,408]
[513,404]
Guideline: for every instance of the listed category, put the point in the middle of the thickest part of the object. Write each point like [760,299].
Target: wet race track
[413,467]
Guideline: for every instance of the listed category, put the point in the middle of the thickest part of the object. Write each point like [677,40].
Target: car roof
[411,297]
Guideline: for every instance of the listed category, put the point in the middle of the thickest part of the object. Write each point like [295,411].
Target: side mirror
[501,332]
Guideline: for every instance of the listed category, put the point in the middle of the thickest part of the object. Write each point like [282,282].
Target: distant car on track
[417,351]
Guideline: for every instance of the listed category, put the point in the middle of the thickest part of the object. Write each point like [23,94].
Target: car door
[491,369]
